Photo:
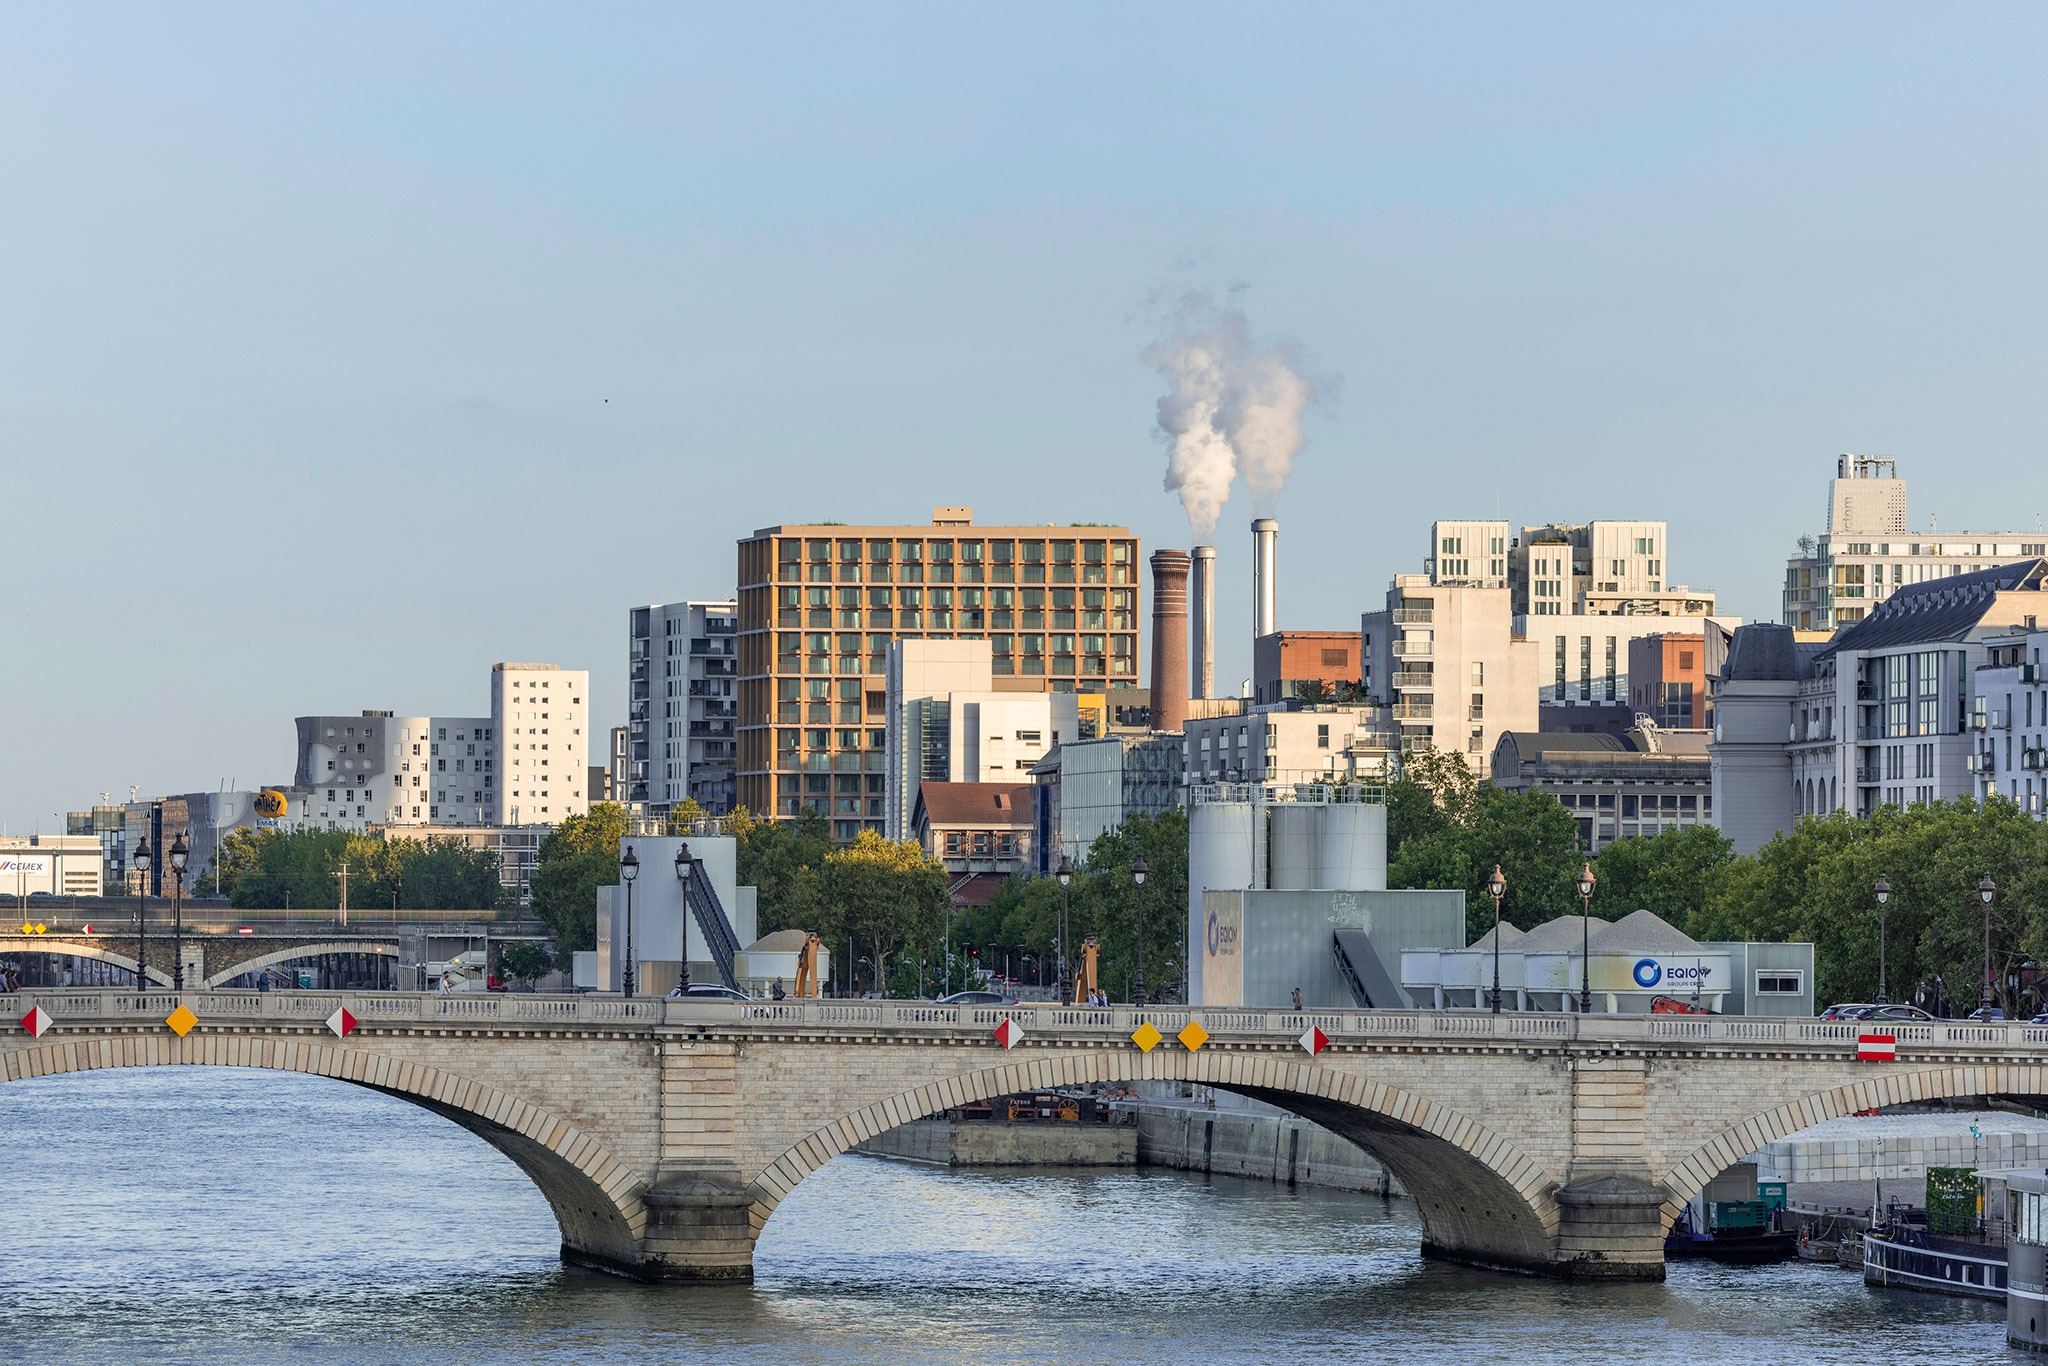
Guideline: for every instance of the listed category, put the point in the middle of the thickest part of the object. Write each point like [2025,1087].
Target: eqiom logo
[1648,974]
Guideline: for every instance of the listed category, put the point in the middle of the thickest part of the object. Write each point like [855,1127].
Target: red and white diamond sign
[36,1021]
[1314,1042]
[1877,1048]
[342,1023]
[1009,1033]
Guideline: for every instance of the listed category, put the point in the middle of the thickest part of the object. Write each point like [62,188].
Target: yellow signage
[1194,1036]
[181,1021]
[270,803]
[1147,1037]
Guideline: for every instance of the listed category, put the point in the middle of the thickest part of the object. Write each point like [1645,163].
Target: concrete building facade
[50,865]
[1291,742]
[1866,553]
[1447,662]
[821,604]
[683,705]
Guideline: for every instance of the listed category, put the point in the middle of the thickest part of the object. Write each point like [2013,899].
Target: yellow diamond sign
[1194,1036]
[181,1021]
[1147,1037]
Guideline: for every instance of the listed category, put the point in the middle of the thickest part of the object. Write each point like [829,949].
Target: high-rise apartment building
[820,605]
[1867,554]
[683,705]
[540,718]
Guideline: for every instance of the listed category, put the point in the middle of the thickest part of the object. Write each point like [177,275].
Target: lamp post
[1496,887]
[629,868]
[1586,883]
[1883,892]
[142,857]
[683,865]
[1138,871]
[180,852]
[1065,873]
[1987,891]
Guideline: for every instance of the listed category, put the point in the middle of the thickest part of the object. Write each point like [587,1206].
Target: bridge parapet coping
[1043,1025]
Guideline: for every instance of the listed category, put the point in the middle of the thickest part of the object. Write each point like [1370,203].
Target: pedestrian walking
[1297,998]
[776,991]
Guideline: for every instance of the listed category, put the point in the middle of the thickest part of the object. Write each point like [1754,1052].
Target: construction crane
[1084,976]
[807,983]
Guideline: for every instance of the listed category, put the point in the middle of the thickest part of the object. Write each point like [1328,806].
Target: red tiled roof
[976,803]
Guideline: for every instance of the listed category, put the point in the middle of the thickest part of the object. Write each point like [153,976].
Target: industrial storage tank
[1295,826]
[1226,852]
[1351,847]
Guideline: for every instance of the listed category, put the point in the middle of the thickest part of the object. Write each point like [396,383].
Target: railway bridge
[664,1133]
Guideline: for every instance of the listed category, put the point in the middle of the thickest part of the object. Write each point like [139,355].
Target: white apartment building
[684,703]
[1289,742]
[1599,568]
[1444,658]
[540,714]
[948,722]
[1866,554]
[524,763]
[1882,715]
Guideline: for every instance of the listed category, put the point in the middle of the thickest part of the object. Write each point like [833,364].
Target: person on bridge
[776,991]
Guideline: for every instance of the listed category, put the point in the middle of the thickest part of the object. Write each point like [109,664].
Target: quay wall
[1255,1141]
[980,1143]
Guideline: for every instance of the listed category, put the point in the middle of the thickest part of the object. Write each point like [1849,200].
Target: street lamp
[1883,892]
[180,852]
[1138,871]
[1586,882]
[142,857]
[629,868]
[1496,887]
[683,865]
[1065,873]
[1987,890]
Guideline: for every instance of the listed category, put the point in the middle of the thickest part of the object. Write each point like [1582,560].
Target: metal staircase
[713,923]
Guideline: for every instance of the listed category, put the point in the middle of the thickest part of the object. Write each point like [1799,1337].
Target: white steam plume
[1233,409]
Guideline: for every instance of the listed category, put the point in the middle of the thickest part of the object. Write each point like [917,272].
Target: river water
[220,1216]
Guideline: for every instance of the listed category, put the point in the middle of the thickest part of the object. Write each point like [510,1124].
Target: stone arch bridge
[664,1133]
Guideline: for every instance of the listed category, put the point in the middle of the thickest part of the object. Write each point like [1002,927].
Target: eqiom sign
[1662,974]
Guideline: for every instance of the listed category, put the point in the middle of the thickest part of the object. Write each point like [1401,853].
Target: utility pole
[343,875]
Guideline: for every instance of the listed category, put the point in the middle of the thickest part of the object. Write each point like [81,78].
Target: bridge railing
[1039,1020]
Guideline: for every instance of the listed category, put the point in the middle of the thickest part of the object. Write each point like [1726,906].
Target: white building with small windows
[1291,742]
[524,764]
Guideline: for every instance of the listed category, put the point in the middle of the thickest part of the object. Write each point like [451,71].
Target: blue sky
[347,350]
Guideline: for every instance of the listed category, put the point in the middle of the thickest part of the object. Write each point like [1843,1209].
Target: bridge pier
[1612,1227]
[698,1231]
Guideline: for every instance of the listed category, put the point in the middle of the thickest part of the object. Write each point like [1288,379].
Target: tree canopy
[302,869]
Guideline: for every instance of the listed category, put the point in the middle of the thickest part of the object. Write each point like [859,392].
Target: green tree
[885,896]
[684,816]
[524,961]
[1312,691]
[1533,839]
[775,858]
[577,857]
[1109,902]
[1676,874]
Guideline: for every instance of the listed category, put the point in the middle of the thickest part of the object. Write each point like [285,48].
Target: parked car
[1895,1013]
[976,998]
[710,991]
[2041,1019]
[1986,1013]
[1848,1010]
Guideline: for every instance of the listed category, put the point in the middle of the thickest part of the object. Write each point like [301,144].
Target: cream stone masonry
[665,1133]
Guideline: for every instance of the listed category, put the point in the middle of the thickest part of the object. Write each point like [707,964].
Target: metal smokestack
[1170,639]
[1265,545]
[1202,624]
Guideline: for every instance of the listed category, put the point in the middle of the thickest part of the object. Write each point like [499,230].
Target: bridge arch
[1890,1086]
[1480,1197]
[296,952]
[80,948]
[595,1197]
